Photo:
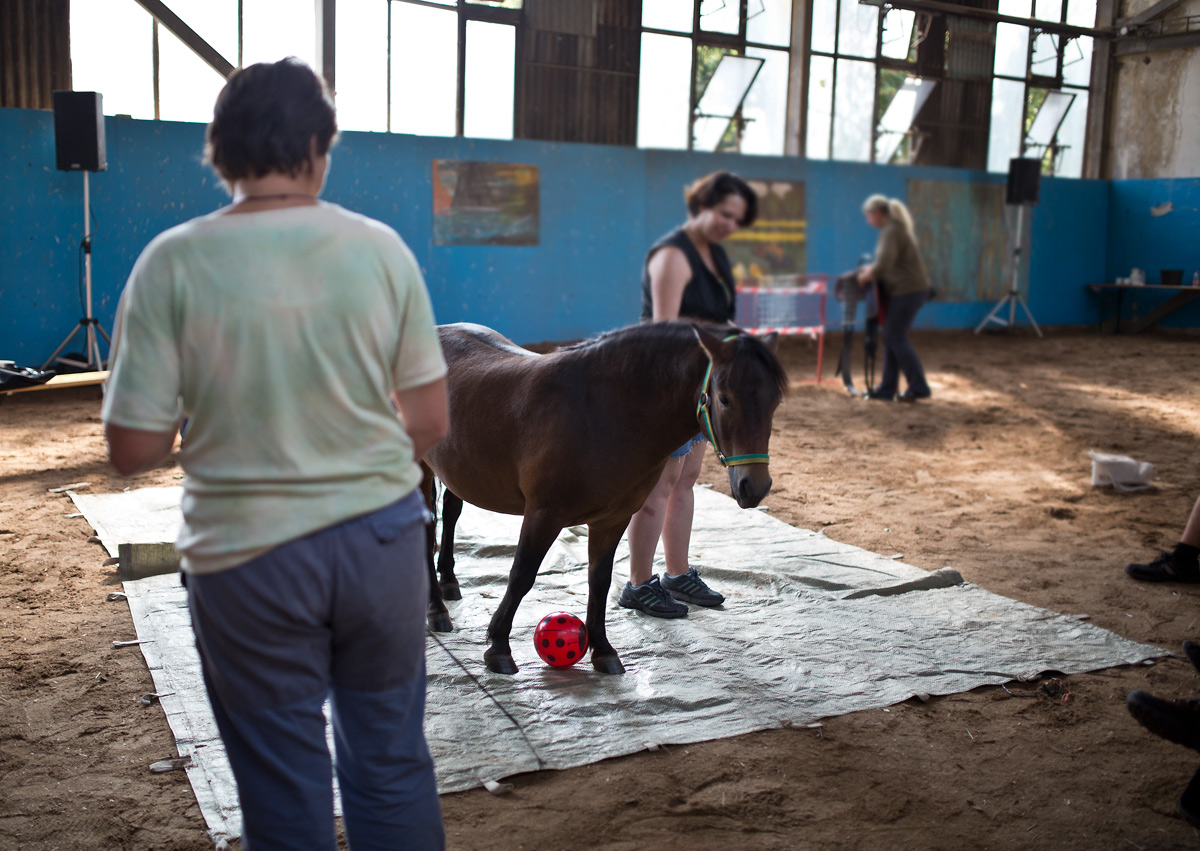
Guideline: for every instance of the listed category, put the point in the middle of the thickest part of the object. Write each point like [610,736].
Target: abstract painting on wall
[965,238]
[482,203]
[774,251]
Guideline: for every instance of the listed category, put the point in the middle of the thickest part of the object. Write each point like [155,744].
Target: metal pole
[92,344]
[1015,289]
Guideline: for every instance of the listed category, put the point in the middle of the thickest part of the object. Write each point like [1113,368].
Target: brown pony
[581,436]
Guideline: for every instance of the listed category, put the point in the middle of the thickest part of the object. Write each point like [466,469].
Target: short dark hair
[265,119]
[712,189]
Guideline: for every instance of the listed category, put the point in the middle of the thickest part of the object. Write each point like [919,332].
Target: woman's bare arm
[669,276]
[424,413]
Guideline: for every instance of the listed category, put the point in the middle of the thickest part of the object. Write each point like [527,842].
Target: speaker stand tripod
[89,325]
[1014,297]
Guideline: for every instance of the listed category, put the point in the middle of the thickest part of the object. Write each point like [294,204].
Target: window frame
[1032,81]
[466,12]
[737,43]
[882,63]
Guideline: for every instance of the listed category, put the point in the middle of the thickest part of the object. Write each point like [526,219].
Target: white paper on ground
[794,643]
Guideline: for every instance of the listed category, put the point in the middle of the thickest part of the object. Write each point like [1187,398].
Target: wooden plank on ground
[137,561]
[62,382]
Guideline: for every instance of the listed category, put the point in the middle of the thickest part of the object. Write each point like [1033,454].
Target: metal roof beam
[188,36]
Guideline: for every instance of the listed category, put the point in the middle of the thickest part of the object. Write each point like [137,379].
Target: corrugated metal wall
[35,52]
[958,51]
[577,75]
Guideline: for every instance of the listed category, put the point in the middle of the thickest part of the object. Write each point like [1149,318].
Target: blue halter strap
[704,417]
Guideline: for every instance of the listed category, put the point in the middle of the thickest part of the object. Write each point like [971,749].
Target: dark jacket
[898,263]
[706,296]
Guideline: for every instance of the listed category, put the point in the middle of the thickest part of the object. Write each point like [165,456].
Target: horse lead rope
[704,417]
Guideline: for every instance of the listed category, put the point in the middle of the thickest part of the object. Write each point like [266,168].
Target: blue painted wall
[601,207]
[1138,238]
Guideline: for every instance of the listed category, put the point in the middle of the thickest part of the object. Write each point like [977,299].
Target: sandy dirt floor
[991,478]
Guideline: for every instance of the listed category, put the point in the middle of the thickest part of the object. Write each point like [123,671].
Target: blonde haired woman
[904,285]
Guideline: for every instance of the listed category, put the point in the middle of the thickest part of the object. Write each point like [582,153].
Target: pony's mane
[749,344]
[680,331]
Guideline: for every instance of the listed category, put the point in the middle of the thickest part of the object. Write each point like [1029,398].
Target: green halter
[704,416]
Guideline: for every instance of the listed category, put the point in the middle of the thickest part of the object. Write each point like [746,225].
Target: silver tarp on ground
[811,628]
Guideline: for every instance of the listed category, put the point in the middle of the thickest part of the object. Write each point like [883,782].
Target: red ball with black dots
[561,639]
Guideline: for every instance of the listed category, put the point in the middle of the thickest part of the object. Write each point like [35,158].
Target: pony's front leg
[452,507]
[538,532]
[602,547]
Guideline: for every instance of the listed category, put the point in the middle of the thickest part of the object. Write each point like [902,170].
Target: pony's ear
[717,349]
[771,341]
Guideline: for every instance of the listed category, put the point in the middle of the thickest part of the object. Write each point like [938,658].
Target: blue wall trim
[601,207]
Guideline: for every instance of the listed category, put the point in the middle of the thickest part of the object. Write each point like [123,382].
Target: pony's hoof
[499,664]
[440,622]
[608,664]
[450,590]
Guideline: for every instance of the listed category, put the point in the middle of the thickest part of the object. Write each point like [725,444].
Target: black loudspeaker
[1024,181]
[79,132]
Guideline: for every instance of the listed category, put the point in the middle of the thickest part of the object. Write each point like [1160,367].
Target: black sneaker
[909,397]
[649,597]
[690,588]
[1164,569]
[1176,721]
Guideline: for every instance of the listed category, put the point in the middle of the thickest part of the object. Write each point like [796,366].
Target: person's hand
[865,276]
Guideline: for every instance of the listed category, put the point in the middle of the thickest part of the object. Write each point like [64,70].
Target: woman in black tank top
[687,276]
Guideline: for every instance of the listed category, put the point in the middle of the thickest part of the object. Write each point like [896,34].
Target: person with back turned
[904,283]
[291,333]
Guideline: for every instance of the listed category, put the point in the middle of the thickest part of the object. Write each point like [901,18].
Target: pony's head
[746,387]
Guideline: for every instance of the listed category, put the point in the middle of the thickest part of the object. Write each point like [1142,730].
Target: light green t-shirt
[280,336]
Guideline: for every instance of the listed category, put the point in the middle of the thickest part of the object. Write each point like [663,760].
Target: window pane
[673,15]
[124,77]
[820,107]
[663,96]
[188,86]
[720,16]
[1048,10]
[1081,13]
[708,59]
[1012,50]
[424,70]
[490,80]
[897,33]
[769,22]
[899,115]
[854,102]
[766,104]
[857,29]
[1048,111]
[273,29]
[824,25]
[1008,123]
[1045,55]
[500,4]
[1071,137]
[1077,61]
[361,76]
